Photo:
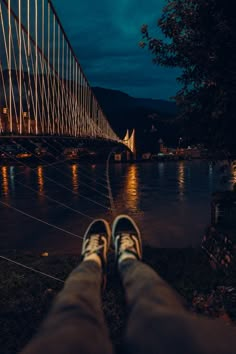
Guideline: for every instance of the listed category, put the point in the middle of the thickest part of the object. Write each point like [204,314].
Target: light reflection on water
[75,182]
[40,181]
[12,178]
[170,202]
[181,179]
[233,171]
[5,180]
[131,188]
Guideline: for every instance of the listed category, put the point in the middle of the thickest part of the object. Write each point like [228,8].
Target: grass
[26,296]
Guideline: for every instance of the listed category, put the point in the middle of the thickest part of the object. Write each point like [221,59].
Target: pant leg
[158,323]
[76,322]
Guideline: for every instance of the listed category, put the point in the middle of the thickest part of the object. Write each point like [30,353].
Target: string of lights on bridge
[45,91]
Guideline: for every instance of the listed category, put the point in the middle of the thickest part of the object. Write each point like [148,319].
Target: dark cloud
[105,36]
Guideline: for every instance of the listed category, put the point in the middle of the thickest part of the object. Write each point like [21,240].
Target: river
[169,200]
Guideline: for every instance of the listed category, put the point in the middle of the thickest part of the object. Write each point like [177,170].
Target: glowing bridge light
[45,91]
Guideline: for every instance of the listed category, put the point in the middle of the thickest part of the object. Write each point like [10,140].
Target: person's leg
[76,322]
[157,321]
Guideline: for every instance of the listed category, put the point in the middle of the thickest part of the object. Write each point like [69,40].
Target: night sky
[105,36]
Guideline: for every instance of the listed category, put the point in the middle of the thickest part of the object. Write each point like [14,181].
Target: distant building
[180,152]
[71,152]
[196,153]
[190,152]
[118,157]
[163,149]
[146,156]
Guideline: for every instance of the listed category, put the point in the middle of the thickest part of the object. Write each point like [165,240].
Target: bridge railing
[43,89]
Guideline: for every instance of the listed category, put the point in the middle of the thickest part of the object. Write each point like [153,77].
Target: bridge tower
[129,141]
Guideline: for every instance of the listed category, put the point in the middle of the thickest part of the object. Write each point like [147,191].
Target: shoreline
[36,162]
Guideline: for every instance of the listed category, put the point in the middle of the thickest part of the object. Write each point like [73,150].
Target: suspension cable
[40,220]
[31,269]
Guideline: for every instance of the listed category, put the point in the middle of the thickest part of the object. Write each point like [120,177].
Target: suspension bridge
[43,89]
[46,100]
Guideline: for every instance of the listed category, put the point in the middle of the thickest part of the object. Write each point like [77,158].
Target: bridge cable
[68,175]
[113,208]
[54,226]
[55,201]
[44,166]
[101,178]
[37,113]
[40,220]
[61,185]
[31,269]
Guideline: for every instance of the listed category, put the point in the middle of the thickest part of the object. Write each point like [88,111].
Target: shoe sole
[124,216]
[108,230]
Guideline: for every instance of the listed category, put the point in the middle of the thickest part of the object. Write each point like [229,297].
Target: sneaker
[126,238]
[97,240]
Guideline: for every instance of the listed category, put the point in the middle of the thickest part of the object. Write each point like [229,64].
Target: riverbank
[26,296]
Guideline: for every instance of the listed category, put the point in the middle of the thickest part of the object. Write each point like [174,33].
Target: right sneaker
[126,238]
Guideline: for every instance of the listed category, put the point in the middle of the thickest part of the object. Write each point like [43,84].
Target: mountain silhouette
[152,119]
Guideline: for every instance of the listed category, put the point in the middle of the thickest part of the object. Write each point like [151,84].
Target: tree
[199,36]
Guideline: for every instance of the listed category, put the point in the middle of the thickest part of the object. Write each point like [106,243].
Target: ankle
[94,258]
[126,256]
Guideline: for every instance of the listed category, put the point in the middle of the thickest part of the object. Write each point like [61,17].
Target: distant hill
[145,115]
[152,119]
[117,101]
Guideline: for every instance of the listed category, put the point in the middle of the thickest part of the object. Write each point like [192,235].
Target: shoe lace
[126,243]
[93,245]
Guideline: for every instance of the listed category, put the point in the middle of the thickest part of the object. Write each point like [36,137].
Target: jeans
[157,321]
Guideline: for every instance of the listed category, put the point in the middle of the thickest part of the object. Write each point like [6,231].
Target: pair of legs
[157,322]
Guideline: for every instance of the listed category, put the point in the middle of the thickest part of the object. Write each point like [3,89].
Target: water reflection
[210,175]
[181,179]
[5,182]
[161,169]
[148,192]
[233,171]
[74,171]
[12,178]
[40,181]
[210,170]
[131,187]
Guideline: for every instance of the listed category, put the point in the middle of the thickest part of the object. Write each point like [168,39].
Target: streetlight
[180,141]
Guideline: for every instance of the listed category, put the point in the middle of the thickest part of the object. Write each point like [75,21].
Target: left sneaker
[96,242]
